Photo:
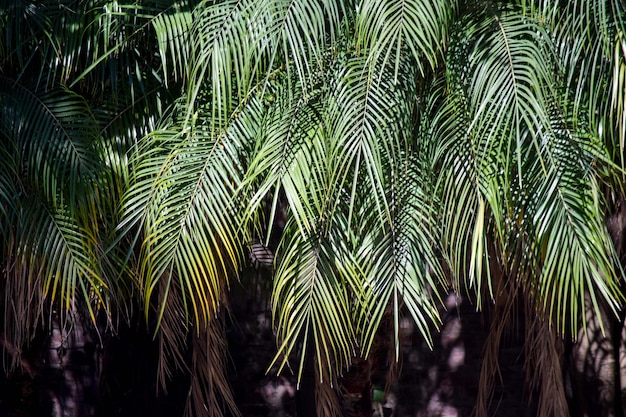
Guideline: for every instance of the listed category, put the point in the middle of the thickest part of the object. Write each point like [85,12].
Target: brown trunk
[598,357]
[73,368]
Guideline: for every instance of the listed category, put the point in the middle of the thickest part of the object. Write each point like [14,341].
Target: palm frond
[122,47]
[54,249]
[49,137]
[241,42]
[122,122]
[53,134]
[595,68]
[284,144]
[182,201]
[299,31]
[223,55]
[401,261]
[388,30]
[173,28]
[23,25]
[311,305]
[292,159]
[567,225]
[495,65]
[522,161]
[368,122]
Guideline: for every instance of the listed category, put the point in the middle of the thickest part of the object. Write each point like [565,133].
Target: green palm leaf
[495,65]
[56,251]
[223,56]
[173,31]
[508,123]
[390,29]
[182,199]
[311,304]
[400,261]
[284,143]
[53,133]
[365,117]
[575,251]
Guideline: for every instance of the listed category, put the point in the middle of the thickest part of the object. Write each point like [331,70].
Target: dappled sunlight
[435,382]
[275,393]
[457,357]
[597,366]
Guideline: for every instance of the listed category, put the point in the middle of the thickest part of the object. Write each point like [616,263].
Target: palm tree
[75,96]
[411,146]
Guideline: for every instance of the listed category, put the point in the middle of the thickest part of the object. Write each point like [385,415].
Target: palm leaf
[310,305]
[299,30]
[509,126]
[595,67]
[365,118]
[121,50]
[173,30]
[182,200]
[53,133]
[283,143]
[493,109]
[388,30]
[567,223]
[50,137]
[222,55]
[52,248]
[401,263]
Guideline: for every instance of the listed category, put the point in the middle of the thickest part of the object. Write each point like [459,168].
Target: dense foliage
[380,151]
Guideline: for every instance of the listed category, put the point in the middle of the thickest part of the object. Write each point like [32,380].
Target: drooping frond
[566,226]
[239,43]
[23,25]
[182,201]
[368,124]
[173,28]
[125,41]
[594,67]
[282,154]
[311,305]
[55,250]
[390,29]
[401,261]
[223,56]
[298,31]
[49,139]
[496,65]
[53,134]
[520,161]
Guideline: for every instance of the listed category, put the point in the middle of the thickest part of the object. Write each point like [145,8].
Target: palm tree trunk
[616,224]
[72,373]
[617,331]
[594,360]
